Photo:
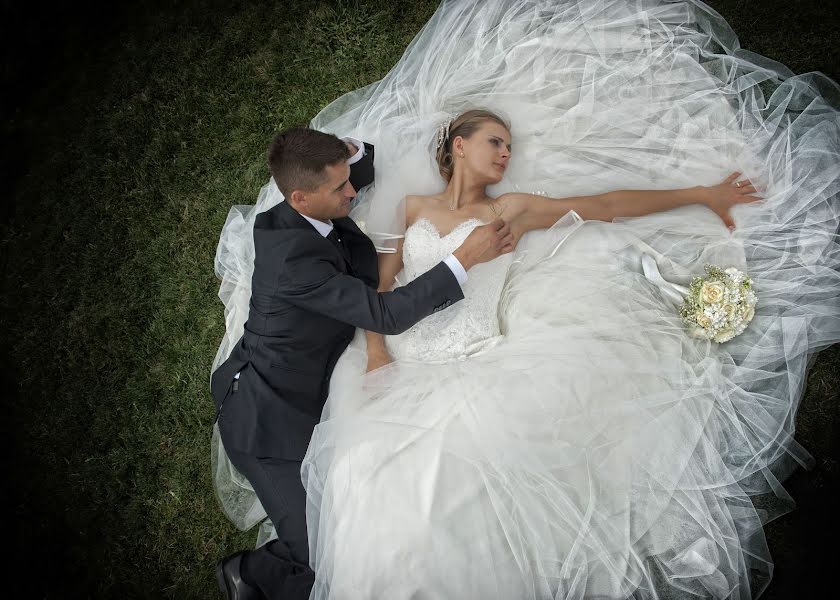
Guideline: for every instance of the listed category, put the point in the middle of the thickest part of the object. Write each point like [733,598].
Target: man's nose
[349,190]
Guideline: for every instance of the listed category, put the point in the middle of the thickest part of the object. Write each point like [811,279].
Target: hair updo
[463,125]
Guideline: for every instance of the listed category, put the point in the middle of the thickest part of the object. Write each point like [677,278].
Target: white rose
[712,291]
[724,335]
[703,321]
[747,313]
[729,310]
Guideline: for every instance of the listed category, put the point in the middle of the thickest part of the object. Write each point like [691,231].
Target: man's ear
[298,198]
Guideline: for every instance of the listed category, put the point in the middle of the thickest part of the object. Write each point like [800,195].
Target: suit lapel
[360,256]
[291,218]
[361,250]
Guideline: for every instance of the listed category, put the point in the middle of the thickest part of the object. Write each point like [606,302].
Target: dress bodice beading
[464,327]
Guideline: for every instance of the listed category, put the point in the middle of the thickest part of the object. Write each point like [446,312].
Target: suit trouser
[280,568]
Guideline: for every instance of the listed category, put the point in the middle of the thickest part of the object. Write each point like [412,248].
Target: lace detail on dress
[464,327]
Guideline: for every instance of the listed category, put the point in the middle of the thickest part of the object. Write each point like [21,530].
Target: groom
[314,282]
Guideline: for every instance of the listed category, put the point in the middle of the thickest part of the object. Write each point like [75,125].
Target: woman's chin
[495,176]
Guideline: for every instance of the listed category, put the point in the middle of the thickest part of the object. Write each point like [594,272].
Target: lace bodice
[466,326]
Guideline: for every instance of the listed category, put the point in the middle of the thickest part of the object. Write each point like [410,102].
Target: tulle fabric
[594,453]
[598,451]
[234,266]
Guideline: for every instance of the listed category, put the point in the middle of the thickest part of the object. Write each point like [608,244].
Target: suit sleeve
[314,282]
[361,171]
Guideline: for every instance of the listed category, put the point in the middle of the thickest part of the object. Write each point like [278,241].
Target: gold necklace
[492,204]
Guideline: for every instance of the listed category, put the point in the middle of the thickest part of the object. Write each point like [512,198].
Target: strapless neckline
[434,229]
[468,325]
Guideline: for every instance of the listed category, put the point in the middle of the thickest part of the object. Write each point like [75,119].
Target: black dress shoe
[229,576]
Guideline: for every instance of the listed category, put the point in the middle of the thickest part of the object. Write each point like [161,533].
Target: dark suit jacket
[306,302]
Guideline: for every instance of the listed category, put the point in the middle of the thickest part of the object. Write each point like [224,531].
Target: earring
[462,155]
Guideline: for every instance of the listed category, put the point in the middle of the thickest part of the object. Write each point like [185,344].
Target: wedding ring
[737,184]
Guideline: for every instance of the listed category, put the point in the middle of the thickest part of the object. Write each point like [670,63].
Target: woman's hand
[378,358]
[723,196]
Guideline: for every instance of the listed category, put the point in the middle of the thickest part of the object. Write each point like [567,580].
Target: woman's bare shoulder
[514,198]
[416,206]
[423,200]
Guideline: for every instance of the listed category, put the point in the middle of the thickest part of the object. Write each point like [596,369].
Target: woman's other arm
[537,212]
[389,266]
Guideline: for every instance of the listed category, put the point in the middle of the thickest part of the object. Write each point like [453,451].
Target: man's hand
[378,358]
[723,196]
[485,243]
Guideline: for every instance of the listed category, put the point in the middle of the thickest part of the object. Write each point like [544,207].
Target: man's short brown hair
[298,158]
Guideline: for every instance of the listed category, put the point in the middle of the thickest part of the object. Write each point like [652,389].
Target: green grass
[111,260]
[135,150]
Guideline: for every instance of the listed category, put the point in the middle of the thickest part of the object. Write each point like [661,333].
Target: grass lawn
[128,134]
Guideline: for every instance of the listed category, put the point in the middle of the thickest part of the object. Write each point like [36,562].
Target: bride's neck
[463,190]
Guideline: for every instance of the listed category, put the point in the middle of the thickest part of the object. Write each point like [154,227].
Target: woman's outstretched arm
[389,266]
[527,212]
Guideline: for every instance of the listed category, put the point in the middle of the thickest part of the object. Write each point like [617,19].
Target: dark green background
[128,132]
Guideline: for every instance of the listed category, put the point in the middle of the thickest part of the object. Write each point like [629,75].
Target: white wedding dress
[569,445]
[557,434]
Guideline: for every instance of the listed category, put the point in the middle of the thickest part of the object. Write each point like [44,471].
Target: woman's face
[486,152]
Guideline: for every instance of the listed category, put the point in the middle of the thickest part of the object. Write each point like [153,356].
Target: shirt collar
[322,228]
[360,150]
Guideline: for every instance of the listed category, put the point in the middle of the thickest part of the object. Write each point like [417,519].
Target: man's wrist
[457,268]
[463,257]
[356,147]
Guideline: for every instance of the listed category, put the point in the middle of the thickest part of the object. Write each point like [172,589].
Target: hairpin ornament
[443,132]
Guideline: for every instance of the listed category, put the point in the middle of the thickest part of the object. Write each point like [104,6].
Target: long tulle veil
[608,95]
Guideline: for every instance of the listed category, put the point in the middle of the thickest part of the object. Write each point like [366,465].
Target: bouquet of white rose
[720,305]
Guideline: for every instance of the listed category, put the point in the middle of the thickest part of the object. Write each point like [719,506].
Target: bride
[557,434]
[519,447]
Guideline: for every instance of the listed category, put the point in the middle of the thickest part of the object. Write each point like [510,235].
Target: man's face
[330,200]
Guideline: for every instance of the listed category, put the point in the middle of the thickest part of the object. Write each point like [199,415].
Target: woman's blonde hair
[463,125]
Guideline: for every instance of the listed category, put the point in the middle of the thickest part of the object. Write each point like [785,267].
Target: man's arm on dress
[315,283]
